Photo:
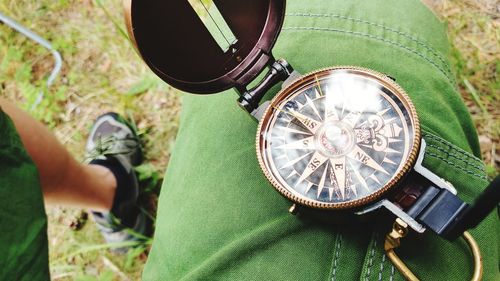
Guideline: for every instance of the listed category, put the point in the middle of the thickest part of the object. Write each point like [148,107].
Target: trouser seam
[378,38]
[479,176]
[393,271]
[384,27]
[380,273]
[453,147]
[336,255]
[443,150]
[372,255]
[457,157]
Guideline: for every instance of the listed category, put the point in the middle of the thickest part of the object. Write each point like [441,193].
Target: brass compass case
[338,138]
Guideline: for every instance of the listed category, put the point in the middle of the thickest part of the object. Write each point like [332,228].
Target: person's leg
[220,219]
[64,180]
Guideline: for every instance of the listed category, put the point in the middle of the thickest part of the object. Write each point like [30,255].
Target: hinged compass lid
[228,48]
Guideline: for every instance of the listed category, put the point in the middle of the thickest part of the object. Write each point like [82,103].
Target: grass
[102,72]
[474,31]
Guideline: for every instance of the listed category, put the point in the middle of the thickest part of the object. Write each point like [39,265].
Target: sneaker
[111,135]
[114,144]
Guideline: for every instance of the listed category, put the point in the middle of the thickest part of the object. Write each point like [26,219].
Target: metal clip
[400,230]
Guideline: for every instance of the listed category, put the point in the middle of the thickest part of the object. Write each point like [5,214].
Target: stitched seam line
[393,270]
[452,155]
[381,268]
[483,177]
[450,80]
[404,34]
[338,246]
[452,146]
[370,261]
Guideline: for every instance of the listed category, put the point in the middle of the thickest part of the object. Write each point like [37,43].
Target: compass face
[338,138]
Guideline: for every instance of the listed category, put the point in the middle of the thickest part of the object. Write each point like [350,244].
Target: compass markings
[281,156]
[375,179]
[390,150]
[366,145]
[359,155]
[293,162]
[391,140]
[330,111]
[330,192]
[317,95]
[316,161]
[387,160]
[291,174]
[360,179]
[286,117]
[305,143]
[311,104]
[388,121]
[321,184]
[309,185]
[311,124]
[380,113]
[352,118]
[288,129]
[339,171]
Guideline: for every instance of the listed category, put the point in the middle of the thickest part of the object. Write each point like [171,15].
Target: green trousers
[219,218]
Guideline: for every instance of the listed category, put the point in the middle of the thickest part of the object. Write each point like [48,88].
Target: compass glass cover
[337,138]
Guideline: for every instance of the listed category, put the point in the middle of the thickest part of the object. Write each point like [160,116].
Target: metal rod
[35,37]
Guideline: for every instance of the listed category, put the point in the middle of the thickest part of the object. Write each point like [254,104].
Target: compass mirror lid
[205,48]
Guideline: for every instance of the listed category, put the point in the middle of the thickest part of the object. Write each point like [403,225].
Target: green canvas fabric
[220,219]
[23,223]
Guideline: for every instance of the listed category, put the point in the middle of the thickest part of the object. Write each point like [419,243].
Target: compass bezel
[308,78]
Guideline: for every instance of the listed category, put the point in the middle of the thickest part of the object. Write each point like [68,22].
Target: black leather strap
[440,210]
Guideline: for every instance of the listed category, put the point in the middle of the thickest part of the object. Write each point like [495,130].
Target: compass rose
[340,138]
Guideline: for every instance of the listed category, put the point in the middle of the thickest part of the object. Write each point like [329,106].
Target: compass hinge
[279,71]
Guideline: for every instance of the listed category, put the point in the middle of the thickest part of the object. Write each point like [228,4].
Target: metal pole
[35,37]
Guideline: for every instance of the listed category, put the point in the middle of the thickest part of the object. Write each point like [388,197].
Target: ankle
[106,185]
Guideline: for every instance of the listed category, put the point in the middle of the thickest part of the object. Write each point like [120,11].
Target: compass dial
[338,138]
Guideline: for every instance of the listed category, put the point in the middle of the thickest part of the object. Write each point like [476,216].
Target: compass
[343,139]
[338,138]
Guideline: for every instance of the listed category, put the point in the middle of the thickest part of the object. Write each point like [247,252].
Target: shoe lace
[112,145]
